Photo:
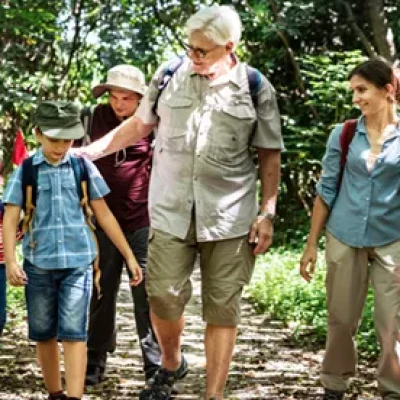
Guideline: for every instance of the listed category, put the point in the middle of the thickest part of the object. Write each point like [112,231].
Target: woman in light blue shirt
[362,216]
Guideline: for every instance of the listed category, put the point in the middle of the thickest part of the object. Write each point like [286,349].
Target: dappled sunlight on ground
[266,364]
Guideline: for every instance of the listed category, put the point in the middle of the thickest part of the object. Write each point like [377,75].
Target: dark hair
[379,72]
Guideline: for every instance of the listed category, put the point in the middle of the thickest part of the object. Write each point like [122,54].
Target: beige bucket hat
[126,77]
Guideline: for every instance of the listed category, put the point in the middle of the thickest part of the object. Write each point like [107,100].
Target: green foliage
[60,49]
[306,127]
[279,292]
[16,310]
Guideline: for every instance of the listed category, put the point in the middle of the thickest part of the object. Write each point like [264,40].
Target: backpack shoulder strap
[346,136]
[29,194]
[254,79]
[87,121]
[166,76]
[81,174]
[29,178]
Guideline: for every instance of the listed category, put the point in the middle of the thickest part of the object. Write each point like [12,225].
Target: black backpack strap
[29,178]
[81,174]
[166,76]
[29,195]
[254,79]
[87,121]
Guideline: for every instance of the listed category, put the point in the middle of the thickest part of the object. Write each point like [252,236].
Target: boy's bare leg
[49,360]
[75,361]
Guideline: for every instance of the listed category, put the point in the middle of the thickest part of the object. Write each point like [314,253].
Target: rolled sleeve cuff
[13,191]
[326,194]
[145,113]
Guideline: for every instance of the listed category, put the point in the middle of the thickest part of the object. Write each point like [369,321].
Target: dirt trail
[266,364]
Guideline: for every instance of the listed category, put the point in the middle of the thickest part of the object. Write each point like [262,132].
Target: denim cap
[125,77]
[59,120]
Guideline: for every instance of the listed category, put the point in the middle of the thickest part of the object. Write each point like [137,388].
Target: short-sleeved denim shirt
[62,237]
[202,162]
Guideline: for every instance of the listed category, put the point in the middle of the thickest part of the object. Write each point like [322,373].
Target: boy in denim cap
[57,270]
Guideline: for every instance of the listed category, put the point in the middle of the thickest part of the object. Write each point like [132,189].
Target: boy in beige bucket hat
[127,173]
[57,268]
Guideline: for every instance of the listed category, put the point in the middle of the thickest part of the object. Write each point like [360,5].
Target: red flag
[19,151]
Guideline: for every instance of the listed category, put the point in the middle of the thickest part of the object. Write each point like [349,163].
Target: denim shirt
[366,210]
[63,239]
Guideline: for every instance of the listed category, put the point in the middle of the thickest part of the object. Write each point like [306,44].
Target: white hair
[221,24]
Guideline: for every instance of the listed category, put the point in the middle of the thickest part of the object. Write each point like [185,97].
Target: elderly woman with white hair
[208,110]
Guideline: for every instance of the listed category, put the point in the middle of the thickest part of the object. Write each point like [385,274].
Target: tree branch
[282,35]
[369,48]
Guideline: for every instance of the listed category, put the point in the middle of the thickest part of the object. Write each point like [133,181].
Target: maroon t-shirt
[128,177]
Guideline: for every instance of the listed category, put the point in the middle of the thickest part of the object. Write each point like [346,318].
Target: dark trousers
[102,322]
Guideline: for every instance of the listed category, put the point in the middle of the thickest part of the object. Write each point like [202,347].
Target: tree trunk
[369,48]
[378,22]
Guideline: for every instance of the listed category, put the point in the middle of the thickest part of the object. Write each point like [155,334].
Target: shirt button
[58,219]
[365,218]
[59,241]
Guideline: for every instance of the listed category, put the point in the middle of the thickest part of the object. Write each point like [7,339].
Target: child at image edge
[59,249]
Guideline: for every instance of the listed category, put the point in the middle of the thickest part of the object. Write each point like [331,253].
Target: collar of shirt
[362,129]
[233,75]
[39,158]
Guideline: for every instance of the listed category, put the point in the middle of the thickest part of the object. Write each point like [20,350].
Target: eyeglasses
[197,51]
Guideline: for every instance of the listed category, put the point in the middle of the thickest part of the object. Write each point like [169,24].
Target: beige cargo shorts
[225,266]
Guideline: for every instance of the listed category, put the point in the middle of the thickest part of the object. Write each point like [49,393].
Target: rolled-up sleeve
[268,129]
[13,191]
[145,111]
[98,188]
[327,186]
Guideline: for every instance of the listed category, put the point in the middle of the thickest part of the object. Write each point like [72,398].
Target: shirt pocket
[43,199]
[231,131]
[69,193]
[174,140]
[175,110]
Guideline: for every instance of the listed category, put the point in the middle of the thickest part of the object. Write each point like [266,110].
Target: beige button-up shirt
[202,163]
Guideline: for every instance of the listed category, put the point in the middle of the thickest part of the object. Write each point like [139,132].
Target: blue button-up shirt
[62,237]
[366,210]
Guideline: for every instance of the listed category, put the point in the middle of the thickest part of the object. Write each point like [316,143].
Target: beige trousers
[349,272]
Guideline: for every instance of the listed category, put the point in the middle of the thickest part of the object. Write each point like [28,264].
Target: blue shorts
[58,303]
